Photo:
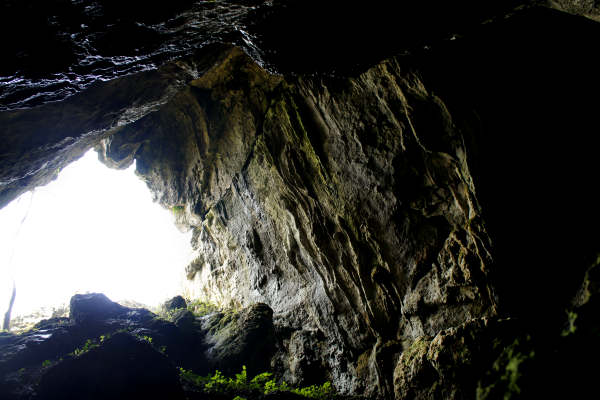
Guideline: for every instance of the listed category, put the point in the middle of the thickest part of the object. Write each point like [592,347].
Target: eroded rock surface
[105,350]
[345,204]
[235,339]
[55,49]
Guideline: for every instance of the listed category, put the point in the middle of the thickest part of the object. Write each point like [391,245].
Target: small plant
[87,346]
[201,308]
[177,210]
[571,327]
[261,384]
[46,363]
[241,379]
[315,391]
[270,386]
[168,315]
[261,379]
[146,338]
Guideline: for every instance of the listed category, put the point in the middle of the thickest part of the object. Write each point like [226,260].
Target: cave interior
[386,201]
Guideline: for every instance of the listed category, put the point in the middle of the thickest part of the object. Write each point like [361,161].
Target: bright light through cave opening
[93,229]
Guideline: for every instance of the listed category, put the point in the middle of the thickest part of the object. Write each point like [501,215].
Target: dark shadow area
[525,92]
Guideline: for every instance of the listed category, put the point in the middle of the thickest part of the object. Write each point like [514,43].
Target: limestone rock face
[449,365]
[587,8]
[347,205]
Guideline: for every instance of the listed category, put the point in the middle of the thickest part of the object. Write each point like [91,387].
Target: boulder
[93,307]
[175,303]
[122,367]
[235,339]
[184,320]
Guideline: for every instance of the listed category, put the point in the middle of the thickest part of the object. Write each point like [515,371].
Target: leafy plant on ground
[262,383]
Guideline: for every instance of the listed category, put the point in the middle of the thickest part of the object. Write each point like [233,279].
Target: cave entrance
[93,229]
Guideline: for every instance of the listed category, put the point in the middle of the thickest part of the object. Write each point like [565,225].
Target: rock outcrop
[361,232]
[121,367]
[105,350]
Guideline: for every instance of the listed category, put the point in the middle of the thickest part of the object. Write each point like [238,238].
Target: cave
[93,229]
[386,201]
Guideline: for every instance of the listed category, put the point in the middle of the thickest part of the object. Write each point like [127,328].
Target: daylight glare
[93,229]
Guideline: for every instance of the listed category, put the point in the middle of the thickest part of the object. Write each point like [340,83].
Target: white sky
[93,229]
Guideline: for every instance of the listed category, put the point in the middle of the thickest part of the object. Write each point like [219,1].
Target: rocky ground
[104,350]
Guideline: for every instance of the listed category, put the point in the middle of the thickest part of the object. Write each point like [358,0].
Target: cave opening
[93,229]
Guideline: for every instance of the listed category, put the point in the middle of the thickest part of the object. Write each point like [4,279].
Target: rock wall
[347,205]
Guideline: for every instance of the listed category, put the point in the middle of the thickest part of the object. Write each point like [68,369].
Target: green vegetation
[201,308]
[571,327]
[510,366]
[198,307]
[177,210]
[262,383]
[145,338]
[315,391]
[168,315]
[87,346]
[93,343]
[46,363]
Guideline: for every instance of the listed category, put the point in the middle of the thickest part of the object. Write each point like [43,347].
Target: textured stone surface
[237,338]
[449,365]
[109,351]
[345,204]
[587,8]
[55,49]
[175,303]
[37,144]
